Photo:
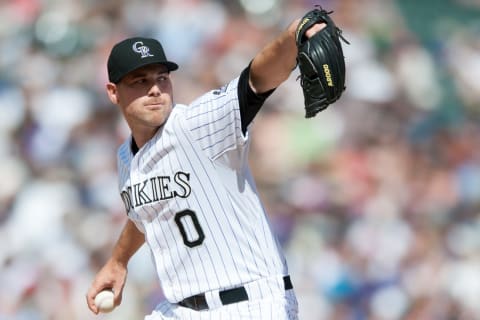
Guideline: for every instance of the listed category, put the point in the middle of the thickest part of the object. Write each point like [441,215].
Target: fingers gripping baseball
[111,277]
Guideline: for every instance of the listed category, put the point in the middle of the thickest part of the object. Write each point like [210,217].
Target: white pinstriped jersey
[189,189]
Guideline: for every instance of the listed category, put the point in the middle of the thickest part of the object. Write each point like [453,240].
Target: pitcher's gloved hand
[321,61]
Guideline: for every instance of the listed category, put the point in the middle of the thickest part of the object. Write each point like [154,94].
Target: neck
[140,138]
[134,146]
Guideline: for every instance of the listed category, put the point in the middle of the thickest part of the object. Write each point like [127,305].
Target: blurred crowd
[376,201]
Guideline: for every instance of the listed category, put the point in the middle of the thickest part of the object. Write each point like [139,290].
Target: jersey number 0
[188,219]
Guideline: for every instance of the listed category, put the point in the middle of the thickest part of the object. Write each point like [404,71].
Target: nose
[154,90]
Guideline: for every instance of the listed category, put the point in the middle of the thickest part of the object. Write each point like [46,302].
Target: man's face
[145,97]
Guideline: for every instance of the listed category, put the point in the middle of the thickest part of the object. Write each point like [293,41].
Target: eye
[136,82]
[139,81]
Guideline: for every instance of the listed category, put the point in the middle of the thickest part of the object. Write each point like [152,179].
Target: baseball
[104,301]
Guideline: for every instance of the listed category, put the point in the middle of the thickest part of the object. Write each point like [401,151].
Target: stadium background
[376,200]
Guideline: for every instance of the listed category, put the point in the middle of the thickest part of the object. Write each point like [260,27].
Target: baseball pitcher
[187,188]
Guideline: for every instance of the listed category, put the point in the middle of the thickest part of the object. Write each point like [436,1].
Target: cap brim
[171,66]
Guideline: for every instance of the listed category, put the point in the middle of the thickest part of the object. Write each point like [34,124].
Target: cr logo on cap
[143,50]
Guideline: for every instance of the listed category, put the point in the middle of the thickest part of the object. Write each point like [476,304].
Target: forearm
[130,240]
[274,63]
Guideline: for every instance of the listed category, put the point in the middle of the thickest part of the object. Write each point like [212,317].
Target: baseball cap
[133,53]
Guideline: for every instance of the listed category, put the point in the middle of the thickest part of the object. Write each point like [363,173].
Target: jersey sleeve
[249,101]
[124,158]
[219,119]
[214,120]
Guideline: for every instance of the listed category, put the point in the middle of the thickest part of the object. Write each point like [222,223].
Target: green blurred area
[434,21]
[431,20]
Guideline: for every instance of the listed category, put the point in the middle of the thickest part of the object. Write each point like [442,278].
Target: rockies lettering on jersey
[190,191]
[156,189]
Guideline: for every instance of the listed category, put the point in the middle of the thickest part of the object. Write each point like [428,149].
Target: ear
[112,92]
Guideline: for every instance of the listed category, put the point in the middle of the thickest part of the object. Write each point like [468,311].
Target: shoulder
[218,95]
[124,152]
[179,108]
[125,146]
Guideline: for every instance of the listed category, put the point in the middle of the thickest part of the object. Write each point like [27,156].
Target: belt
[199,302]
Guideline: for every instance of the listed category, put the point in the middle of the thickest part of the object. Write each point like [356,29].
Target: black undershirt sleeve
[250,102]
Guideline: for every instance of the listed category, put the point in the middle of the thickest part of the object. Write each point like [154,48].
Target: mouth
[153,105]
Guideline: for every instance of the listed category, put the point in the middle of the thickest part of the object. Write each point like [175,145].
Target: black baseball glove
[321,61]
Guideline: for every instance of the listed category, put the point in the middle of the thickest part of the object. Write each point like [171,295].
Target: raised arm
[274,63]
[114,273]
